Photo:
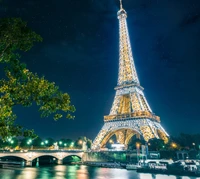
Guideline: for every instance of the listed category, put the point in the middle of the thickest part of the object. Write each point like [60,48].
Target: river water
[79,172]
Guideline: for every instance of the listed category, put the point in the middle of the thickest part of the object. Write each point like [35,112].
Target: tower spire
[127,71]
[121,7]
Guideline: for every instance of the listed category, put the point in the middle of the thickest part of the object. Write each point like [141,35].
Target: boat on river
[132,166]
[11,164]
[182,168]
[157,164]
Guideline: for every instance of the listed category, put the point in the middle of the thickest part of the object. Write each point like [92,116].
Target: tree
[37,142]
[69,142]
[50,142]
[22,87]
[134,142]
[79,142]
[156,144]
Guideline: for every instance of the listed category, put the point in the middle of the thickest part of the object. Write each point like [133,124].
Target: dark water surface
[79,172]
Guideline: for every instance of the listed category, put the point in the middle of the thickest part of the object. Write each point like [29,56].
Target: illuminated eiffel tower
[130,113]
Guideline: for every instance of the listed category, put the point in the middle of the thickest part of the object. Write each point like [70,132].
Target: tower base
[125,129]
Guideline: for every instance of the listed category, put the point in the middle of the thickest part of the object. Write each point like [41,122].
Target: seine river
[79,172]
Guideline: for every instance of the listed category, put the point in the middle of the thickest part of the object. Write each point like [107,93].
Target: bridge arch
[73,155]
[44,155]
[17,156]
[58,155]
[32,155]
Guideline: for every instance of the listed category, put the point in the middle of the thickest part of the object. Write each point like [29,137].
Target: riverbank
[178,172]
[169,172]
[105,165]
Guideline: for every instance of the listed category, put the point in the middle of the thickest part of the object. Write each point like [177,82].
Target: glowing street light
[80,142]
[46,141]
[174,145]
[193,144]
[137,145]
[60,142]
[65,144]
[42,143]
[138,150]
[29,141]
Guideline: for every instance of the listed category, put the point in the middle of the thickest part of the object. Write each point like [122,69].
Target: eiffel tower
[130,113]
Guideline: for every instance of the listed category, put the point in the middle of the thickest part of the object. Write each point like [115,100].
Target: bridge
[30,155]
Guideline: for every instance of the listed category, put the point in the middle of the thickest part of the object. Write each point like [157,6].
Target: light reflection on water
[79,172]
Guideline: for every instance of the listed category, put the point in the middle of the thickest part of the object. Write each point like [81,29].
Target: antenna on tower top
[121,4]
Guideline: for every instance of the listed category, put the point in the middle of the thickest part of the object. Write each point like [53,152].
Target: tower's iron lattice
[130,113]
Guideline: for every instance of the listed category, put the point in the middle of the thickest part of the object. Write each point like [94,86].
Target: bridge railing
[39,151]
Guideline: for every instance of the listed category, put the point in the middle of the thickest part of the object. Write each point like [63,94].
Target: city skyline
[80,54]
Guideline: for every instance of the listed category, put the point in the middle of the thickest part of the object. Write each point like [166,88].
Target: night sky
[80,50]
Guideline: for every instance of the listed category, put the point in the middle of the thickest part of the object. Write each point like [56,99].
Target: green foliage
[187,141]
[37,142]
[22,87]
[134,142]
[15,35]
[10,143]
[89,143]
[156,144]
[79,142]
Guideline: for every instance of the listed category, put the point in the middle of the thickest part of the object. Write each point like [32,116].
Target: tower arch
[123,135]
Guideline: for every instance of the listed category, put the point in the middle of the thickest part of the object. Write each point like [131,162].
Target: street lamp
[137,145]
[138,150]
[174,145]
[42,143]
[72,144]
[65,145]
[193,144]
[29,142]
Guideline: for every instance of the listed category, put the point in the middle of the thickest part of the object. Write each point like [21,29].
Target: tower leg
[120,137]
